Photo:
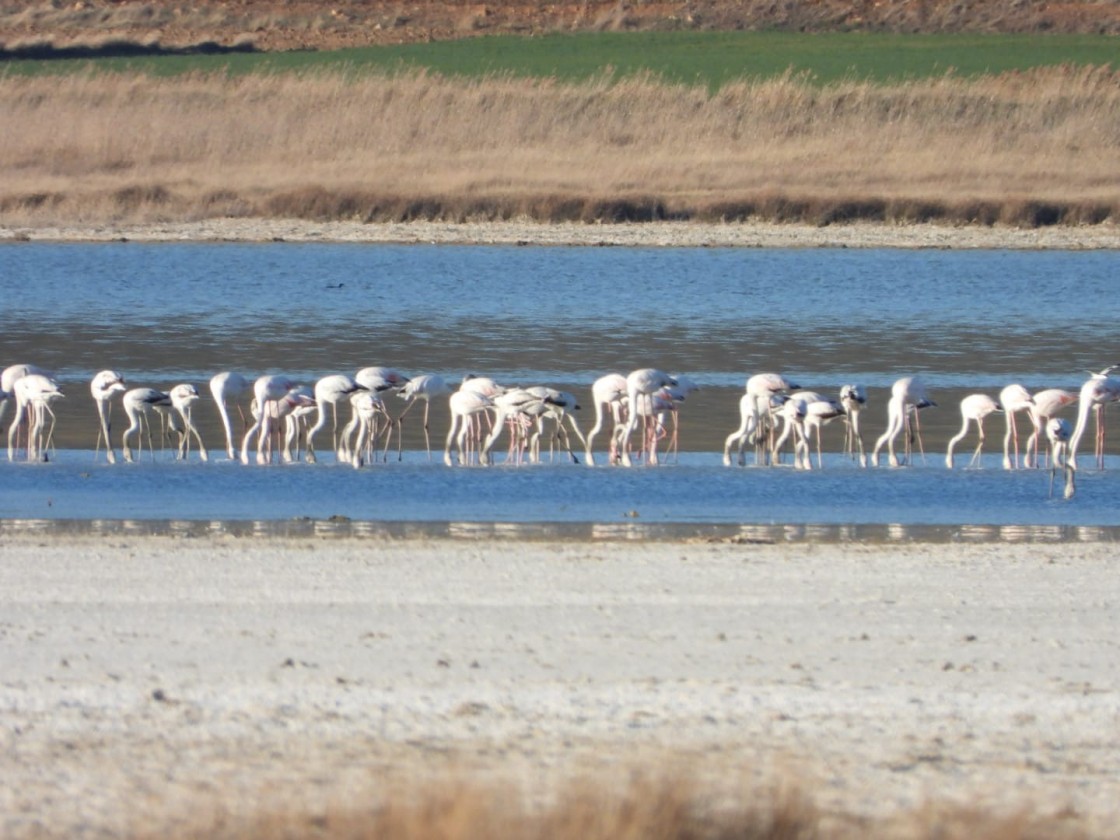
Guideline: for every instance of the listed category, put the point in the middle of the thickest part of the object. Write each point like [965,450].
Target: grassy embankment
[823,128]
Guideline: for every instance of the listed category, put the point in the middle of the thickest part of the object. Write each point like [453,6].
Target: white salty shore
[149,680]
[643,234]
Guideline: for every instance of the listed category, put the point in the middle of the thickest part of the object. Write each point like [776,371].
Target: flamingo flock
[637,412]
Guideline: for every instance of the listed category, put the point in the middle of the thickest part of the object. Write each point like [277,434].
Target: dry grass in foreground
[1025,149]
[669,810]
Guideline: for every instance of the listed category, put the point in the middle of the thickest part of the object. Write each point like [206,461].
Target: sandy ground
[651,234]
[148,678]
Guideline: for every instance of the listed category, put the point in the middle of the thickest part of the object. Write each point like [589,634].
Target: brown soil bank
[301,24]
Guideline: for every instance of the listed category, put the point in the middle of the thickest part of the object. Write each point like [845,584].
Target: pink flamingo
[1044,406]
[974,408]
[1014,398]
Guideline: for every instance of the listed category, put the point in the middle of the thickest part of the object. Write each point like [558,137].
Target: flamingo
[908,394]
[104,385]
[268,389]
[139,403]
[182,398]
[227,387]
[368,407]
[8,379]
[33,394]
[1014,398]
[974,408]
[748,425]
[641,385]
[819,413]
[1058,433]
[519,408]
[608,394]
[793,411]
[793,417]
[298,404]
[330,391]
[854,398]
[557,407]
[1097,392]
[419,389]
[1044,406]
[678,393]
[763,387]
[465,405]
[378,379]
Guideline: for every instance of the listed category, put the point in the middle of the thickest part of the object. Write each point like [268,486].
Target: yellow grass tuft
[1024,149]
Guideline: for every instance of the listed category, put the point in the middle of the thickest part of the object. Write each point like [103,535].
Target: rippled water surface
[166,313]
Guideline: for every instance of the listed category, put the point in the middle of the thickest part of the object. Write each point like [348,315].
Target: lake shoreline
[635,235]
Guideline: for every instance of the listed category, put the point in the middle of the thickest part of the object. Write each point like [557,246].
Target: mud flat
[155,682]
[646,234]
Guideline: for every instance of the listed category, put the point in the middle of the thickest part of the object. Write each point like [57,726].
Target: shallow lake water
[167,313]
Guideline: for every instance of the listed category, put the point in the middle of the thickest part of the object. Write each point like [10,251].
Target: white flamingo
[1014,398]
[419,389]
[466,406]
[368,411]
[139,404]
[517,408]
[908,395]
[1045,405]
[608,396]
[558,406]
[1058,433]
[268,391]
[229,387]
[330,391]
[8,379]
[1097,392]
[104,385]
[854,398]
[818,414]
[641,385]
[974,408]
[33,394]
[763,387]
[182,398]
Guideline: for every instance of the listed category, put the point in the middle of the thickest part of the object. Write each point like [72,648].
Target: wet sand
[152,679]
[648,234]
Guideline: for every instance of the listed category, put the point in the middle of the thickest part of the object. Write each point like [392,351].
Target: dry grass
[1026,149]
[670,809]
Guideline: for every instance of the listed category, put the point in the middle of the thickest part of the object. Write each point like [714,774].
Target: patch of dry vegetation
[1027,149]
[672,809]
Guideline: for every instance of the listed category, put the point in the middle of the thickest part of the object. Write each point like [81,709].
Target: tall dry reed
[1027,148]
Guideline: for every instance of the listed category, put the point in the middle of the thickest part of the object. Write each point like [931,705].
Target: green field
[706,58]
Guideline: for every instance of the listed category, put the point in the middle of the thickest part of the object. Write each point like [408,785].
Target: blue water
[166,313]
